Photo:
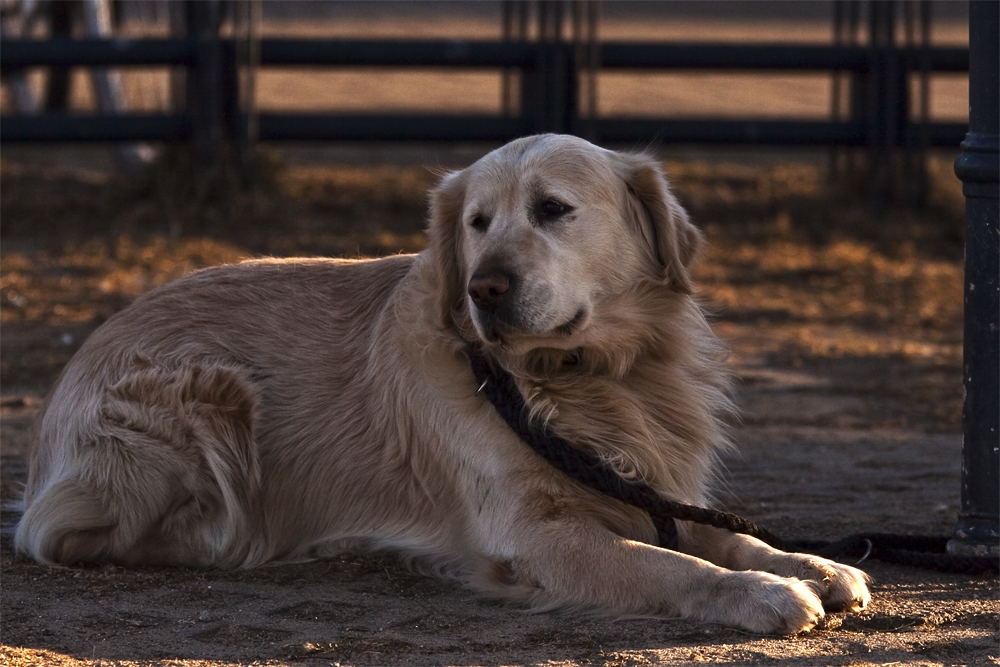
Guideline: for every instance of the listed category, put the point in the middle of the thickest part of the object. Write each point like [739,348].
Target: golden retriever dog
[291,409]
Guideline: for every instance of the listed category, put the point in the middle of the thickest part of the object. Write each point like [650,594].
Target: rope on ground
[914,551]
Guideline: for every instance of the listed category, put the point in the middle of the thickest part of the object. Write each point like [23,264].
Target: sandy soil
[846,341]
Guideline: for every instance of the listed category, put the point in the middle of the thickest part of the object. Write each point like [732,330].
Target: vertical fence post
[532,78]
[856,88]
[57,88]
[549,90]
[246,62]
[204,94]
[882,97]
[582,113]
[978,528]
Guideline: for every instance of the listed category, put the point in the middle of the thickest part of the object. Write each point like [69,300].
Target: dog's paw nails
[798,609]
[774,605]
[851,590]
[840,587]
[850,601]
[844,588]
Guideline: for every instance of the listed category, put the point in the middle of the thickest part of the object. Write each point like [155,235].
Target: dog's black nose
[488,289]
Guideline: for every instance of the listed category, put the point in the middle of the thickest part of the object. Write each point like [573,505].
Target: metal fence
[555,70]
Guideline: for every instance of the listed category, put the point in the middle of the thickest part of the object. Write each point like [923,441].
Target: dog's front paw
[840,587]
[768,604]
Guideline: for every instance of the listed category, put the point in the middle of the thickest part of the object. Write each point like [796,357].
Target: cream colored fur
[289,409]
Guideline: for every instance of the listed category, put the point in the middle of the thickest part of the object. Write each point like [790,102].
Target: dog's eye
[550,209]
[479,222]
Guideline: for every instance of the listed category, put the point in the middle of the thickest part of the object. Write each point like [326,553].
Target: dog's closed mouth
[567,328]
[498,330]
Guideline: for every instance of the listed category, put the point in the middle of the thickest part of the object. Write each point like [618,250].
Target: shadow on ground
[846,342]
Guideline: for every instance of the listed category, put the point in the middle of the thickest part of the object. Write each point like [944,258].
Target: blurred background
[618,93]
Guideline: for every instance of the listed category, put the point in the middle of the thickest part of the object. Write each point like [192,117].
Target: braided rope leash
[501,390]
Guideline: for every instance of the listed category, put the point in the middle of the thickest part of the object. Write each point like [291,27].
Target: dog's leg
[574,562]
[840,587]
[164,474]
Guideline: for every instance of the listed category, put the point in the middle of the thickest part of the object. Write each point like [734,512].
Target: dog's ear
[445,234]
[662,222]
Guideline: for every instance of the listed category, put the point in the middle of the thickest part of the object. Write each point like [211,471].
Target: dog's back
[151,446]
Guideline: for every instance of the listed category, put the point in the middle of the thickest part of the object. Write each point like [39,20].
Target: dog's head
[534,241]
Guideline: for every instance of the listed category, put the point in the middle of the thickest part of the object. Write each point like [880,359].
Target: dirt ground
[845,328]
[844,323]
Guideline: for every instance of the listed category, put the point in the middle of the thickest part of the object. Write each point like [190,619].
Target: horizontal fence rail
[425,127]
[781,133]
[57,127]
[87,52]
[20,53]
[396,53]
[15,54]
[700,55]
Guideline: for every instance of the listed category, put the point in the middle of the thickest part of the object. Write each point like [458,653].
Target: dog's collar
[500,389]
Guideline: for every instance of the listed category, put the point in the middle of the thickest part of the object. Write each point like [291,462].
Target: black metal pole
[978,528]
[204,95]
[882,99]
[57,88]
